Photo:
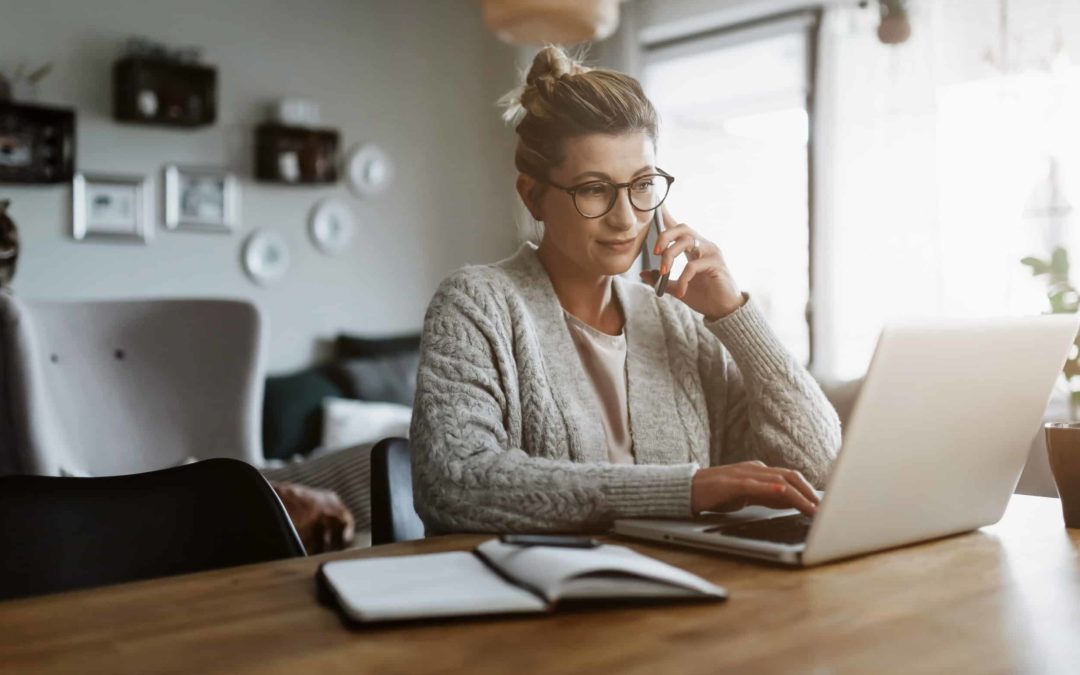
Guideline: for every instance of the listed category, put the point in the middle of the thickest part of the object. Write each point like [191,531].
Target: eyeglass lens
[595,199]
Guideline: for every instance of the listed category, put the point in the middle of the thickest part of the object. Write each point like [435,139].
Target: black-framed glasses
[595,198]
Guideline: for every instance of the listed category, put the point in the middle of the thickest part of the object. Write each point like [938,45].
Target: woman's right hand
[733,486]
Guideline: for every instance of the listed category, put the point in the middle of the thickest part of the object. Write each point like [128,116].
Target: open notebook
[499,578]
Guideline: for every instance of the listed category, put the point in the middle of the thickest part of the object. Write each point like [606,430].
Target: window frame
[808,21]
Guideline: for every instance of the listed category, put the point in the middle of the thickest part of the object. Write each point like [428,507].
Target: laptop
[935,445]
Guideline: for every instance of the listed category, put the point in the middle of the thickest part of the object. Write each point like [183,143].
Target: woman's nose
[622,215]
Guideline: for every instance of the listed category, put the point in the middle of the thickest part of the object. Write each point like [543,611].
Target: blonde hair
[561,99]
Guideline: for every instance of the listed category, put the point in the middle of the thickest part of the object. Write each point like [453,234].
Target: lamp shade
[538,22]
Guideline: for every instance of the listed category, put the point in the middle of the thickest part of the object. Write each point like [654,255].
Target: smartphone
[662,280]
[561,540]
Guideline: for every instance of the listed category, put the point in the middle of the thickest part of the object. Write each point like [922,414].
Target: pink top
[604,359]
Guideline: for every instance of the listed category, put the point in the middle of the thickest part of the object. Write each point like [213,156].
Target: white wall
[419,77]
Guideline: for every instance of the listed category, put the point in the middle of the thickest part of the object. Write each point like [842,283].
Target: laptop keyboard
[783,530]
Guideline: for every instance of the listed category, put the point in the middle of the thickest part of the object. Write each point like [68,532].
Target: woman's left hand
[706,284]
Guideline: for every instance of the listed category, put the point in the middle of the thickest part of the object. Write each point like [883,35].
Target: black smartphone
[662,280]
[561,540]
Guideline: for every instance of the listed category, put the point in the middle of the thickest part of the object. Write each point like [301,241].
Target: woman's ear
[526,189]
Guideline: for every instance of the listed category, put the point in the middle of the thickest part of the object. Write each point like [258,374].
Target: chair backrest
[67,533]
[393,517]
[120,387]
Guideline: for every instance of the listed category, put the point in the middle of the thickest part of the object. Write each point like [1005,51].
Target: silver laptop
[935,446]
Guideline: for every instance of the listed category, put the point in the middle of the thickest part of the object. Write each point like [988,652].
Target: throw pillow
[356,347]
[389,378]
[347,422]
[292,412]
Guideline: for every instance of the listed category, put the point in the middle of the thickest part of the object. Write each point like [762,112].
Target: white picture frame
[111,206]
[201,198]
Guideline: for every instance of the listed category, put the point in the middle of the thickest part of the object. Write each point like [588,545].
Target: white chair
[114,387]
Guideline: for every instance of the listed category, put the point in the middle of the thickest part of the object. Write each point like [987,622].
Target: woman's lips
[619,245]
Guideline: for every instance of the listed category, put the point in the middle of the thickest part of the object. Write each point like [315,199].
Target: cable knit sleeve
[468,475]
[762,403]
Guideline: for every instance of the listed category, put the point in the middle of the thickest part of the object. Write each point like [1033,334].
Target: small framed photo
[116,207]
[201,199]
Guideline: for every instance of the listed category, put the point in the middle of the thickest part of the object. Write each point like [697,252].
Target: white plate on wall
[332,225]
[369,170]
[266,257]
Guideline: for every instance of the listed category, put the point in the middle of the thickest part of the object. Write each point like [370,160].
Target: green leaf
[39,74]
[1059,262]
[1037,265]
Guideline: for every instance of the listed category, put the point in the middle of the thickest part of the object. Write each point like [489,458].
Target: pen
[561,541]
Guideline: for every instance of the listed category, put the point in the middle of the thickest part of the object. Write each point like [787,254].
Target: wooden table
[1004,599]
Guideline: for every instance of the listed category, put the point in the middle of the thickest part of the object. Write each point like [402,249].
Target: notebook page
[611,569]
[421,586]
[601,586]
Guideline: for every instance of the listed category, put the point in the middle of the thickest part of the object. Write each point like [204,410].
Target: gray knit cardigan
[506,435]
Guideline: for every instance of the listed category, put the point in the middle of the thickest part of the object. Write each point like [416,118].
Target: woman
[555,396]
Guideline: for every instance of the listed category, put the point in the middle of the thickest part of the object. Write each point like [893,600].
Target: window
[943,169]
[734,131]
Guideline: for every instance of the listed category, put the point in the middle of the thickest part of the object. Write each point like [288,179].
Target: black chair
[393,517]
[60,534]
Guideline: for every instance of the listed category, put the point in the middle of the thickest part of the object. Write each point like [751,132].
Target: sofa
[319,423]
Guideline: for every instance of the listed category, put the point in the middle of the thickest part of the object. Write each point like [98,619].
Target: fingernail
[777,487]
[656,249]
[663,269]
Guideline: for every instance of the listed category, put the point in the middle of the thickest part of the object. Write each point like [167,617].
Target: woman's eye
[597,190]
[644,185]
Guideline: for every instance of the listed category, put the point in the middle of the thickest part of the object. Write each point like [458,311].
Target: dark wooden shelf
[37,143]
[164,93]
[296,155]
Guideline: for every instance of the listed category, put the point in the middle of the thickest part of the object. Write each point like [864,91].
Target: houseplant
[1064,299]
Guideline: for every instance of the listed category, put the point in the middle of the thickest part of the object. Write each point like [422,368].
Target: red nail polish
[663,269]
[777,487]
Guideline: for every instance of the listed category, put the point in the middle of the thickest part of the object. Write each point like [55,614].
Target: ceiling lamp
[538,22]
[895,27]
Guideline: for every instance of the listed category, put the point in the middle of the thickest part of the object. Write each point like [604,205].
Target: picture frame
[201,198]
[111,207]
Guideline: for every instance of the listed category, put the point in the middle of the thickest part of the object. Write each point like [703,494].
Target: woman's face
[601,246]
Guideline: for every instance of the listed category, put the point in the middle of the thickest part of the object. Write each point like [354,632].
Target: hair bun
[551,63]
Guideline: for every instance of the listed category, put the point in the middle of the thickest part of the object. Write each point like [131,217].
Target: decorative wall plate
[369,170]
[331,225]
[266,257]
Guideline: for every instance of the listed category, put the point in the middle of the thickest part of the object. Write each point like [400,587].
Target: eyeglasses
[595,198]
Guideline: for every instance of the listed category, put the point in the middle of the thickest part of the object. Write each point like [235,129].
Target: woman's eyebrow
[601,174]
